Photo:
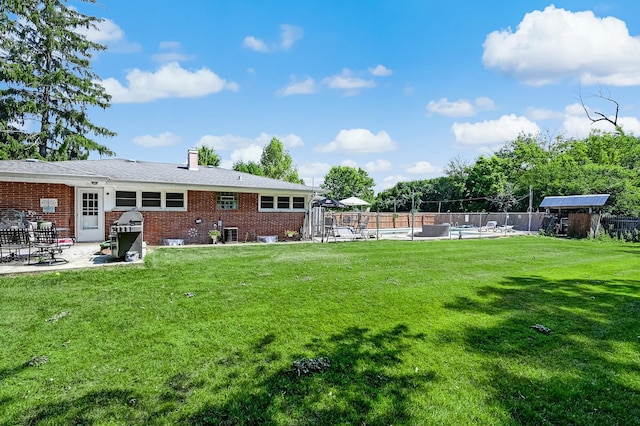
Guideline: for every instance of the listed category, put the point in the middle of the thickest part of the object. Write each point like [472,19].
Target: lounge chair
[492,225]
[335,231]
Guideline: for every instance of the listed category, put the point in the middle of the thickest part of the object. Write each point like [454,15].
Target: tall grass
[415,333]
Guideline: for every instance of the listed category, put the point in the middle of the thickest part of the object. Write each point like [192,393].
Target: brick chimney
[192,159]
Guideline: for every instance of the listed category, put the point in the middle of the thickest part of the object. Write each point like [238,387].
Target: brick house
[177,201]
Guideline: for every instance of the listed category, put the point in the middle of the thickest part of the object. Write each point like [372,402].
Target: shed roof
[574,201]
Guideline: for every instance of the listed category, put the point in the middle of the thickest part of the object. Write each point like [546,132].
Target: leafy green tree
[343,182]
[401,197]
[250,167]
[485,177]
[46,82]
[207,156]
[604,163]
[275,163]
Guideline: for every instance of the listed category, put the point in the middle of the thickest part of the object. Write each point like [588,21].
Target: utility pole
[530,208]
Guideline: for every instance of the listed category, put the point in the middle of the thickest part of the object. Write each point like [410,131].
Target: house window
[266,202]
[284,203]
[151,199]
[126,199]
[175,200]
[298,203]
[227,201]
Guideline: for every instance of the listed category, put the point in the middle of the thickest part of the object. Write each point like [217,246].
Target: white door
[90,214]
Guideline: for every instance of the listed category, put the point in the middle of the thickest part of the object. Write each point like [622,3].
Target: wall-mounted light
[198,220]
[94,183]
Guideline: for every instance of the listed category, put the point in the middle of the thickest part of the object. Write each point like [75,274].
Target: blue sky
[397,87]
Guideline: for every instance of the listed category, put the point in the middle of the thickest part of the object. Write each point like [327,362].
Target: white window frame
[138,206]
[275,203]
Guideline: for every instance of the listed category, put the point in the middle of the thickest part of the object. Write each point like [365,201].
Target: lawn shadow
[361,386]
[8,372]
[126,405]
[93,407]
[585,371]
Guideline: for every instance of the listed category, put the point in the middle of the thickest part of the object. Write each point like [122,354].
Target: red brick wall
[161,224]
[202,205]
[26,196]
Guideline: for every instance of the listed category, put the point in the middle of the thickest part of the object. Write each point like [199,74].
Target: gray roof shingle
[128,171]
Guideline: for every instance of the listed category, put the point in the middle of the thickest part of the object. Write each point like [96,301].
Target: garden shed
[573,215]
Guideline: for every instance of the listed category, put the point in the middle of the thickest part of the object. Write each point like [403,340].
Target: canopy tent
[354,201]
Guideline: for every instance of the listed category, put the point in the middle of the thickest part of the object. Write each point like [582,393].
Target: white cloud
[422,167]
[380,71]
[108,32]
[172,45]
[289,34]
[227,142]
[105,31]
[486,104]
[378,166]
[552,44]
[288,141]
[493,132]
[460,108]
[537,114]
[359,141]
[347,83]
[291,141]
[170,81]
[171,53]
[313,173]
[391,181]
[306,87]
[349,163]
[171,57]
[255,44]
[163,139]
[221,143]
[252,152]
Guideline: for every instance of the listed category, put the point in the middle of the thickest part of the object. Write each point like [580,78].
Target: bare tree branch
[602,117]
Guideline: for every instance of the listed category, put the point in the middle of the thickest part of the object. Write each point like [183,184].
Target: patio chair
[362,230]
[47,245]
[348,220]
[12,244]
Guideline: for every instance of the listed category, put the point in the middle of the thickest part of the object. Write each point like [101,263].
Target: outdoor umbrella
[354,201]
[322,201]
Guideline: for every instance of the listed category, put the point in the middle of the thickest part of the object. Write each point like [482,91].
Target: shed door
[90,214]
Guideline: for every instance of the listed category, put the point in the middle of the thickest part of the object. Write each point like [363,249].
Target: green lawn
[415,333]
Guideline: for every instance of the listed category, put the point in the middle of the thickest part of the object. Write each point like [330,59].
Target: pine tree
[46,82]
